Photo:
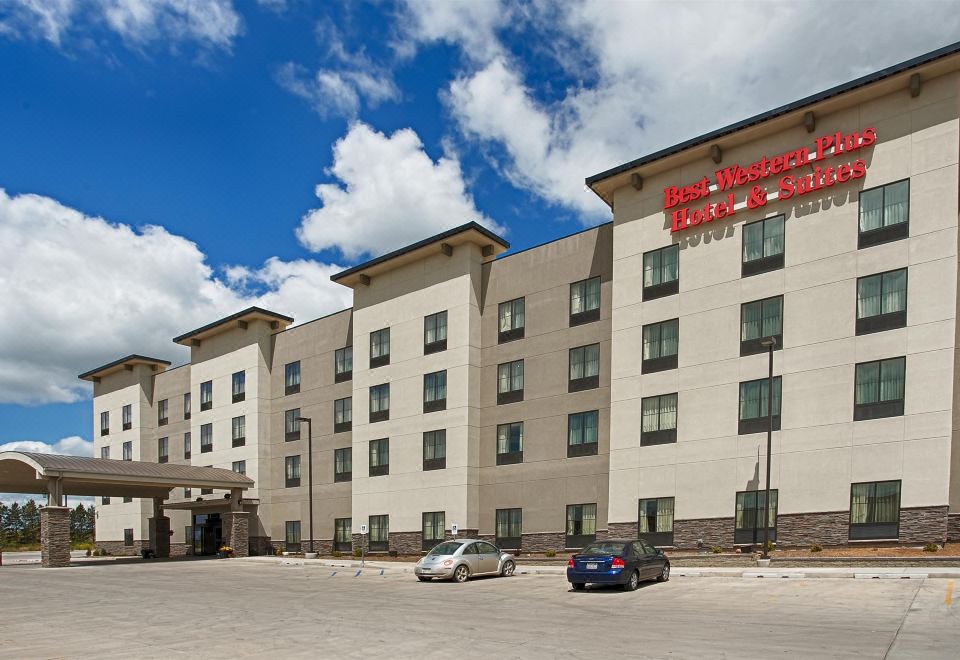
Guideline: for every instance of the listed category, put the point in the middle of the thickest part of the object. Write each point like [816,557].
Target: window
[380,402]
[585,301]
[379,533]
[104,500]
[582,433]
[435,450]
[656,521]
[661,272]
[187,493]
[104,423]
[342,534]
[291,424]
[581,525]
[433,525]
[186,406]
[510,382]
[240,467]
[379,348]
[239,431]
[128,451]
[748,528]
[342,415]
[292,534]
[510,443]
[884,214]
[343,464]
[104,452]
[875,510]
[163,409]
[758,320]
[882,301]
[753,406]
[509,528]
[238,386]
[343,364]
[292,471]
[127,415]
[379,457]
[206,438]
[128,537]
[660,346]
[127,500]
[435,391]
[291,378]
[879,389]
[584,368]
[511,321]
[206,491]
[659,420]
[206,395]
[163,450]
[186,445]
[435,333]
[762,246]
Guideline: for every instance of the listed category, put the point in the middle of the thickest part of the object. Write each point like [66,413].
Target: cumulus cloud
[337,92]
[209,23]
[652,74]
[390,192]
[80,291]
[470,24]
[73,445]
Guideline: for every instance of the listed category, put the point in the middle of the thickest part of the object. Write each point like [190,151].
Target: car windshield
[446,548]
[604,549]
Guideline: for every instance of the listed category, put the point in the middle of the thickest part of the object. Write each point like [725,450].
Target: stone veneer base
[54,536]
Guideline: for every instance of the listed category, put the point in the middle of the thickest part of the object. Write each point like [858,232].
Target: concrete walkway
[858,572]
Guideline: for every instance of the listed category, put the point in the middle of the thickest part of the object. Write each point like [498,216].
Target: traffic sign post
[454,528]
[363,545]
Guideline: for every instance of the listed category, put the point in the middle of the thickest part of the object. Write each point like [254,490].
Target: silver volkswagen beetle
[463,558]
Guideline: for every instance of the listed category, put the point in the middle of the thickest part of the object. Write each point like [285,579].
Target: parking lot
[230,609]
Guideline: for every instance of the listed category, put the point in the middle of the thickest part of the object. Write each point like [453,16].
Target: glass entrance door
[207,533]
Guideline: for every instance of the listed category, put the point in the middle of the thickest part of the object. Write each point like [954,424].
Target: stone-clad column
[54,536]
[160,536]
[237,522]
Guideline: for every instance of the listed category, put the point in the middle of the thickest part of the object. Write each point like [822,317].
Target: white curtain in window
[871,209]
[891,380]
[651,341]
[868,297]
[750,323]
[894,291]
[867,379]
[670,266]
[773,236]
[665,514]
[668,412]
[896,203]
[651,414]
[772,317]
[753,241]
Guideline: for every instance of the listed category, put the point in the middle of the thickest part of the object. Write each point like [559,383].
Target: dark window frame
[128,537]
[292,546]
[753,346]
[383,414]
[580,540]
[381,545]
[509,457]
[513,541]
[163,412]
[433,405]
[187,406]
[238,394]
[585,382]
[208,386]
[341,376]
[762,264]
[662,362]
[437,345]
[887,233]
[384,358]
[659,436]
[163,449]
[126,417]
[661,289]
[511,395]
[126,450]
[290,435]
[104,428]
[288,461]
[754,535]
[879,409]
[876,531]
[383,468]
[235,440]
[583,448]
[428,543]
[883,321]
[206,447]
[435,463]
[587,315]
[658,539]
[289,369]
[515,331]
[759,424]
[345,526]
[343,475]
[346,425]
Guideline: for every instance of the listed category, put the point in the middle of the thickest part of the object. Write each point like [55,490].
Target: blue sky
[167,162]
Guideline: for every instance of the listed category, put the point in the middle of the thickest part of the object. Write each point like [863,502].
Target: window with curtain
[511,321]
[127,415]
[434,449]
[585,298]
[186,406]
[206,438]
[879,388]
[433,526]
[104,423]
[661,272]
[292,471]
[163,450]
[509,443]
[239,431]
[379,347]
[187,449]
[875,510]
[660,345]
[582,433]
[659,419]
[163,409]
[343,364]
[104,452]
[206,395]
[127,451]
[343,464]
[509,530]
[435,391]
[758,320]
[379,528]
[753,405]
[240,467]
[291,424]
[748,518]
[882,301]
[884,206]
[510,382]
[435,332]
[292,535]
[380,402]
[342,534]
[379,457]
[291,378]
[656,515]
[763,245]
[585,362]
[342,414]
[581,524]
[239,386]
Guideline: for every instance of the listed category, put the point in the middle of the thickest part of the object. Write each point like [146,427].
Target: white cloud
[210,23]
[70,446]
[390,193]
[653,73]
[468,23]
[337,92]
[80,291]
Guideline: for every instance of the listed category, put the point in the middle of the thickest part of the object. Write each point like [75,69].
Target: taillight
[617,562]
[570,563]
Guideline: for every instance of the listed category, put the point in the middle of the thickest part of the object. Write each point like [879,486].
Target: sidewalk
[857,572]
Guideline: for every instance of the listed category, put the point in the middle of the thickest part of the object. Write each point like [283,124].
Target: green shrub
[931,547]
[337,553]
[816,547]
[771,545]
[716,550]
[357,552]
[89,552]
[551,553]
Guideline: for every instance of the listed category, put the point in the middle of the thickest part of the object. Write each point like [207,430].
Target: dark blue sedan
[626,562]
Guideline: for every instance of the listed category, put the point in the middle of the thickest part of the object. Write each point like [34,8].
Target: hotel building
[615,381]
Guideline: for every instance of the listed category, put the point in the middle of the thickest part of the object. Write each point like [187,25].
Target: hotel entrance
[207,533]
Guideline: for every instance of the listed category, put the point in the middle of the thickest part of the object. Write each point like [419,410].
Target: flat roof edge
[233,317]
[129,358]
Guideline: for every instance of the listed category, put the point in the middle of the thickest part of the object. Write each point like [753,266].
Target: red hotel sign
[680,198]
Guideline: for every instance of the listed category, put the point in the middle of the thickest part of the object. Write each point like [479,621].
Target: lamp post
[769,343]
[310,471]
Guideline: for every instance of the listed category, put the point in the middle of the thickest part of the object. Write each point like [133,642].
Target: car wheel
[423,578]
[633,582]
[508,568]
[664,574]
[579,586]
[461,573]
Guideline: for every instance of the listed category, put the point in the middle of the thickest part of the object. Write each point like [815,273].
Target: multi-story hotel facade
[615,381]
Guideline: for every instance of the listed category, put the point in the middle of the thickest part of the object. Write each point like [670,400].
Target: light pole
[310,470]
[770,343]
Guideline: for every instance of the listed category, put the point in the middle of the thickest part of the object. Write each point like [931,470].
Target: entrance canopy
[25,472]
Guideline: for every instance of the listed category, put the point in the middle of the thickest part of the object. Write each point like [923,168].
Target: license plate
[592,566]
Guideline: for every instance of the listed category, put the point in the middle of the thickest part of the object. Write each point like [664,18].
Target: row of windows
[874,515]
[883,217]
